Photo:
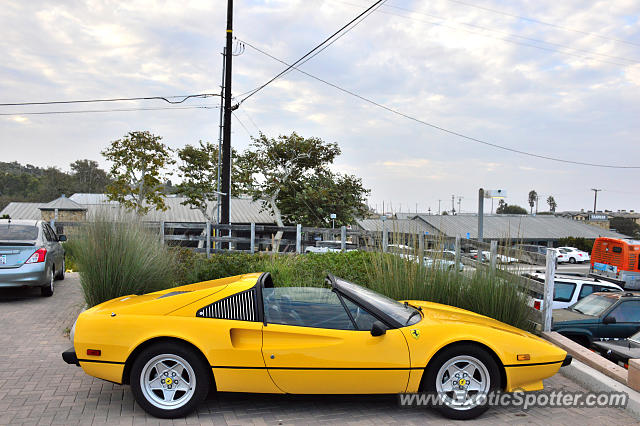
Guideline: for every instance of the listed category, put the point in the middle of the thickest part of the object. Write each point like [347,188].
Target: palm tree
[552,204]
[533,198]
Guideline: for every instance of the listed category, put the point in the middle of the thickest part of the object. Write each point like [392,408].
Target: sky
[555,79]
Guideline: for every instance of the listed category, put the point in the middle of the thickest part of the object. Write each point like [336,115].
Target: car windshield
[402,313]
[10,232]
[594,304]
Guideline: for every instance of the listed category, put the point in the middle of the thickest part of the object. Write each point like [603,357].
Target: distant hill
[36,184]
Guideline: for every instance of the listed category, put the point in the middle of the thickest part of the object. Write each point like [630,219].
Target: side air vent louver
[240,306]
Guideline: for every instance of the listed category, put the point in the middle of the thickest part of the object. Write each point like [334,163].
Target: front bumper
[567,360]
[69,356]
[33,275]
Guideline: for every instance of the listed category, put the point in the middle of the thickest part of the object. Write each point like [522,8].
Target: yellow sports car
[242,334]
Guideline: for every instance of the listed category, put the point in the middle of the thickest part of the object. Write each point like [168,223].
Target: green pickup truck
[599,315]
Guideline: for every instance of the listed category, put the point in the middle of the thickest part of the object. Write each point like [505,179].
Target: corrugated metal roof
[243,210]
[62,203]
[403,226]
[17,210]
[542,227]
[84,198]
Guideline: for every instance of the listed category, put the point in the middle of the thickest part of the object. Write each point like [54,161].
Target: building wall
[65,215]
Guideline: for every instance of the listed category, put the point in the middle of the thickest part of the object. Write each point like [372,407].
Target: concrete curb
[595,381]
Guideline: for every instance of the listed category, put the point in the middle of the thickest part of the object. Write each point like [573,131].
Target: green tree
[552,204]
[89,177]
[313,200]
[282,171]
[625,225]
[533,199]
[139,160]
[198,169]
[504,208]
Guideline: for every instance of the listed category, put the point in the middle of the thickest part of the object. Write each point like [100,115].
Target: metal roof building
[513,227]
[402,226]
[243,210]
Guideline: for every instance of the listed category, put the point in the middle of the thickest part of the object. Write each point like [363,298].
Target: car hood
[566,315]
[449,314]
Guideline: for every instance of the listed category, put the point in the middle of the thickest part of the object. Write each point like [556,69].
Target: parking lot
[37,387]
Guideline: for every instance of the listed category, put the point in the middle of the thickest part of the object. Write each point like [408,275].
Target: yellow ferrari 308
[243,334]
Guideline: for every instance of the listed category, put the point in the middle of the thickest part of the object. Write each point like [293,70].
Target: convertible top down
[243,334]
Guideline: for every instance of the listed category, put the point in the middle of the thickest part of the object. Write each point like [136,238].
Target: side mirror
[378,329]
[609,320]
[62,238]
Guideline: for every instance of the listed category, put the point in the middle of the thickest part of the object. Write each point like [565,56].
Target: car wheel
[572,260]
[169,380]
[47,290]
[60,275]
[462,377]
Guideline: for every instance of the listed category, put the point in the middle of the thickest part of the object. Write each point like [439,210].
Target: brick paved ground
[37,387]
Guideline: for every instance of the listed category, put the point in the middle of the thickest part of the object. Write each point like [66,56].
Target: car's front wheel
[572,260]
[462,377]
[169,380]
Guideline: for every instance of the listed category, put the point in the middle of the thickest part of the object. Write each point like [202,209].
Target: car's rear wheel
[60,275]
[462,377]
[572,260]
[169,380]
[47,290]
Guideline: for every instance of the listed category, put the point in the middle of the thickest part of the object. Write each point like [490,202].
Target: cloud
[509,81]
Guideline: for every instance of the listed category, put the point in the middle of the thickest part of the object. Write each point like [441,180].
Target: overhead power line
[550,24]
[107,110]
[434,126]
[180,99]
[309,53]
[506,33]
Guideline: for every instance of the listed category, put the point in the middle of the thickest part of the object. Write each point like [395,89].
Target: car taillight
[536,305]
[38,256]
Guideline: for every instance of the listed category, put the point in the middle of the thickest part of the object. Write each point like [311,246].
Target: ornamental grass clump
[119,256]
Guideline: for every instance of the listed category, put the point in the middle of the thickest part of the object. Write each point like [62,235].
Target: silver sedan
[30,255]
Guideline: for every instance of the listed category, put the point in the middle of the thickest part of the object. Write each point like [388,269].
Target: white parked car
[500,258]
[568,289]
[561,256]
[575,255]
[329,247]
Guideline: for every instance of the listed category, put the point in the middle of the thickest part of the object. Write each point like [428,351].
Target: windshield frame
[393,313]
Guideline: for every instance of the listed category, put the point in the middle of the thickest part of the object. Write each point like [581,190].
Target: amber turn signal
[524,357]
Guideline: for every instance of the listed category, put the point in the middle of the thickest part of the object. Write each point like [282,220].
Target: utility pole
[439,201]
[480,217]
[453,204]
[595,198]
[226,137]
[459,203]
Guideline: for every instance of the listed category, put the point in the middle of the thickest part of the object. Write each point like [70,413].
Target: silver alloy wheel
[168,381]
[463,382]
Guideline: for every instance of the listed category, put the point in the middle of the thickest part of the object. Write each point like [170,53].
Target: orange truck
[616,260]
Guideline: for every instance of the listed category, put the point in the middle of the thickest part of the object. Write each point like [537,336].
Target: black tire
[470,352]
[572,260]
[581,340]
[60,275]
[47,290]
[196,394]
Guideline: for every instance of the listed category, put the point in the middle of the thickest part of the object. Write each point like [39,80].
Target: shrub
[119,257]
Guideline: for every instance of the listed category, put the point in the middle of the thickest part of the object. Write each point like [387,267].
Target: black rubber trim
[532,364]
[259,302]
[100,361]
[567,360]
[69,356]
[316,368]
